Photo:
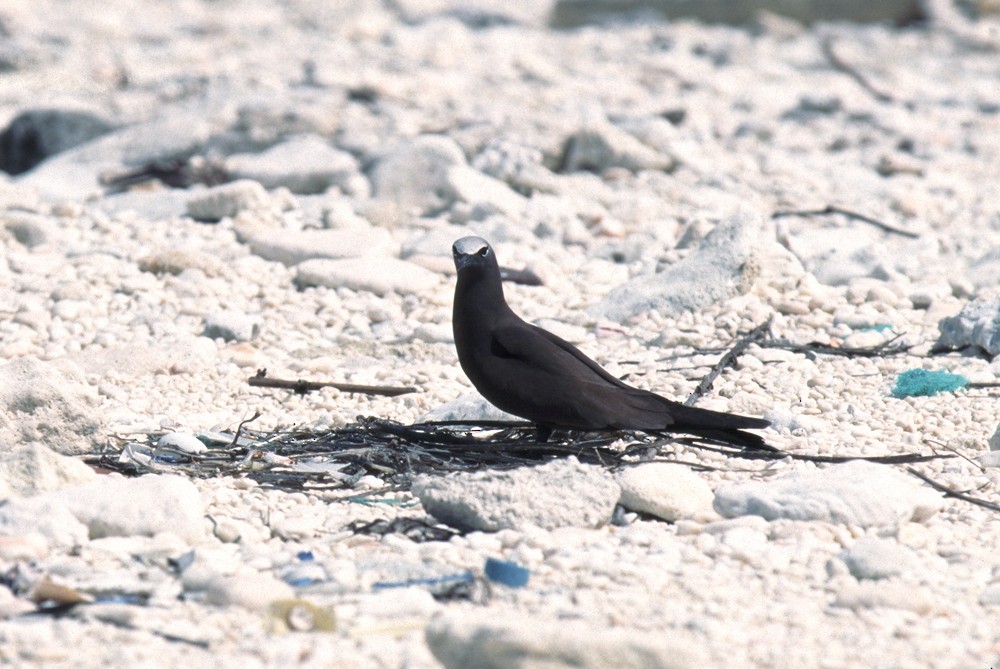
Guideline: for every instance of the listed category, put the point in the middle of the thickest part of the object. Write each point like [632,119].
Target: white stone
[557,494]
[29,469]
[304,164]
[666,490]
[181,441]
[251,591]
[856,492]
[292,247]
[739,253]
[415,174]
[508,638]
[228,200]
[374,275]
[51,403]
[873,558]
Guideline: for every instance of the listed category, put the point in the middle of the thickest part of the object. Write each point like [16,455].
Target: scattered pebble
[231,326]
[872,558]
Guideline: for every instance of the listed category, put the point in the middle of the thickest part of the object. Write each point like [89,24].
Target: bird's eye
[483,252]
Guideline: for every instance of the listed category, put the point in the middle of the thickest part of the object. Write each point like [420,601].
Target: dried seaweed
[296,460]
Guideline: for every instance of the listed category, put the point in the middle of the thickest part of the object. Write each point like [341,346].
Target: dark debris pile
[299,459]
[335,459]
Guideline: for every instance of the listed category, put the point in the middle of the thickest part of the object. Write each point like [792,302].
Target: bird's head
[472,252]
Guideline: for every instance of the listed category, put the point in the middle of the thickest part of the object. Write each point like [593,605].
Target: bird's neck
[479,299]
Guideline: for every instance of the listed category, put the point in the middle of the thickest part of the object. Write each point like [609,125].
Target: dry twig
[302,387]
[833,209]
[727,360]
[951,492]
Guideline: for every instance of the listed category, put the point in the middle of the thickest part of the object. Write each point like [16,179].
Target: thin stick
[727,360]
[842,65]
[813,347]
[833,209]
[302,387]
[951,492]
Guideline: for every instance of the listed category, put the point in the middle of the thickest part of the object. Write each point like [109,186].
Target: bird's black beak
[470,251]
[462,260]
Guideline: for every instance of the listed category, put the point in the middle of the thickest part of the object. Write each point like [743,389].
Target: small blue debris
[463,577]
[881,327]
[506,573]
[922,382]
[305,556]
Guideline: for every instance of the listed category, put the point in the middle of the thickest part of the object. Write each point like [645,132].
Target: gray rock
[602,145]
[375,275]
[34,135]
[521,167]
[873,558]
[506,639]
[29,469]
[983,272]
[293,247]
[306,164]
[665,490]
[560,493]
[845,264]
[28,229]
[485,194]
[739,252]
[414,175]
[228,200]
[77,173]
[977,324]
[857,492]
[990,596]
[231,326]
[51,403]
[472,406]
[995,439]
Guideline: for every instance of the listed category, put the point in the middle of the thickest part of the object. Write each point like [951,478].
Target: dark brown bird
[532,373]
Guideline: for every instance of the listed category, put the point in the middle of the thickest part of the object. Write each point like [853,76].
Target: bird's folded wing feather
[544,350]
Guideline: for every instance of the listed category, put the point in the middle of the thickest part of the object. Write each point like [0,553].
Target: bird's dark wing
[596,399]
[544,350]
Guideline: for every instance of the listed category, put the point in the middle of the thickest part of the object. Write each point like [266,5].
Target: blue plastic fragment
[305,556]
[506,573]
[462,577]
[923,382]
